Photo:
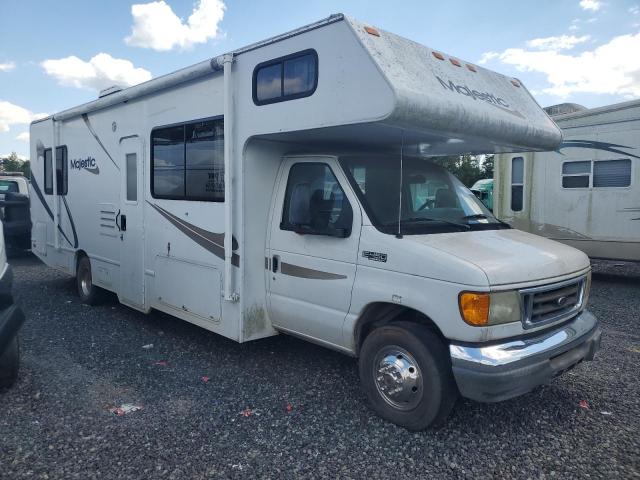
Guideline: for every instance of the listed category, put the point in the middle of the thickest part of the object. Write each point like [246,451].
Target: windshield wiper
[429,219]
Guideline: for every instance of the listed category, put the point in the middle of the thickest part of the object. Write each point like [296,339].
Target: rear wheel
[88,292]
[9,364]
[405,372]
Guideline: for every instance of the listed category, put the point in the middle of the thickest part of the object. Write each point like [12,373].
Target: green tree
[12,163]
[466,167]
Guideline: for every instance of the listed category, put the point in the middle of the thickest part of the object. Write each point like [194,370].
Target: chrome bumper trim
[516,350]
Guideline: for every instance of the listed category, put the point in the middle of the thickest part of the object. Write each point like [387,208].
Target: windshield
[433,200]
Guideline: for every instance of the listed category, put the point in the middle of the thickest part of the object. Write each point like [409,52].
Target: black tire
[424,363]
[10,364]
[87,291]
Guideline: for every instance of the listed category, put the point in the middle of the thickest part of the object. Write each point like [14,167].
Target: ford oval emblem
[561,301]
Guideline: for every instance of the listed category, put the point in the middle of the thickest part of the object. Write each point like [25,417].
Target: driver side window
[315,202]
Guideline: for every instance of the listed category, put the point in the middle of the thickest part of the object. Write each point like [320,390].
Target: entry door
[313,248]
[130,222]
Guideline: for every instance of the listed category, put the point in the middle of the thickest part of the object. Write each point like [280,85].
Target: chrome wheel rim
[85,282]
[398,378]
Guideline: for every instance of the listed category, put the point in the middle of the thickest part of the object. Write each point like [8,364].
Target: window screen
[576,174]
[612,173]
[187,161]
[286,78]
[62,175]
[517,183]
[132,177]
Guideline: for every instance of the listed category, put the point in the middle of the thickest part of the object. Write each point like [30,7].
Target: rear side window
[286,78]
[187,161]
[62,175]
[517,183]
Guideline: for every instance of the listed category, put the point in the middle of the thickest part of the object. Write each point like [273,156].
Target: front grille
[552,303]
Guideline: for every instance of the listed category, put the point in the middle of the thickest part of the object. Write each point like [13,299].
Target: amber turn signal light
[474,308]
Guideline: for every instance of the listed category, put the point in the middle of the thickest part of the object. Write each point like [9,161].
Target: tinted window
[571,168]
[299,75]
[168,162]
[315,202]
[132,177]
[517,183]
[612,173]
[62,178]
[205,160]
[269,82]
[8,186]
[286,78]
[577,181]
[187,161]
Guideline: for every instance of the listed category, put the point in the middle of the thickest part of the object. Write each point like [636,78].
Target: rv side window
[286,78]
[576,174]
[612,173]
[517,183]
[187,161]
[315,202]
[62,176]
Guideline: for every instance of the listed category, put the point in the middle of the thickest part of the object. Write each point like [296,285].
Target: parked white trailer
[310,148]
[586,193]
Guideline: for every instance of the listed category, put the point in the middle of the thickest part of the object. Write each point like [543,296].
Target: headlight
[481,309]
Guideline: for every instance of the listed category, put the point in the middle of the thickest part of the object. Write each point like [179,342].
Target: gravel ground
[79,361]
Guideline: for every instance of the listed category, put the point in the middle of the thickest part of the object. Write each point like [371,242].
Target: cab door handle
[275,263]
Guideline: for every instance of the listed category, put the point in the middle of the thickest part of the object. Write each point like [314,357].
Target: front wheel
[87,291]
[9,364]
[405,372]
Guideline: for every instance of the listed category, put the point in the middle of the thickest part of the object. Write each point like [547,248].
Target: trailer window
[612,173]
[597,173]
[286,78]
[187,161]
[576,174]
[517,183]
[62,176]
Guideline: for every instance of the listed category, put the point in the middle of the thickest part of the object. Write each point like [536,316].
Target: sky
[56,55]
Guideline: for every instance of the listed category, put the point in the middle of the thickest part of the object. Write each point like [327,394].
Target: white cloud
[100,72]
[608,69]
[488,56]
[11,114]
[593,5]
[563,42]
[635,10]
[23,137]
[156,26]
[7,66]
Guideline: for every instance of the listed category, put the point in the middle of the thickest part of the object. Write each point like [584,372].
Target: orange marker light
[455,62]
[372,31]
[472,68]
[474,308]
[438,55]
[515,83]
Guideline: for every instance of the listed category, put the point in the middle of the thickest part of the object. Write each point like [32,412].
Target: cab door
[313,248]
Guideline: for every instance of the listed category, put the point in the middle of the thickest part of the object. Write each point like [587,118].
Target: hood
[509,256]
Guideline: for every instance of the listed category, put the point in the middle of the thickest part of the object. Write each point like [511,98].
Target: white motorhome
[586,193]
[284,187]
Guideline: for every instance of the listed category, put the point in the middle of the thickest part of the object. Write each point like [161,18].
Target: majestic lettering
[89,164]
[475,94]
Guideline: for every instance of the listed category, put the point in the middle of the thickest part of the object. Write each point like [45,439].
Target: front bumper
[499,371]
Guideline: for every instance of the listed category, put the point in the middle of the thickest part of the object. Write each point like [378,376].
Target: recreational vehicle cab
[285,187]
